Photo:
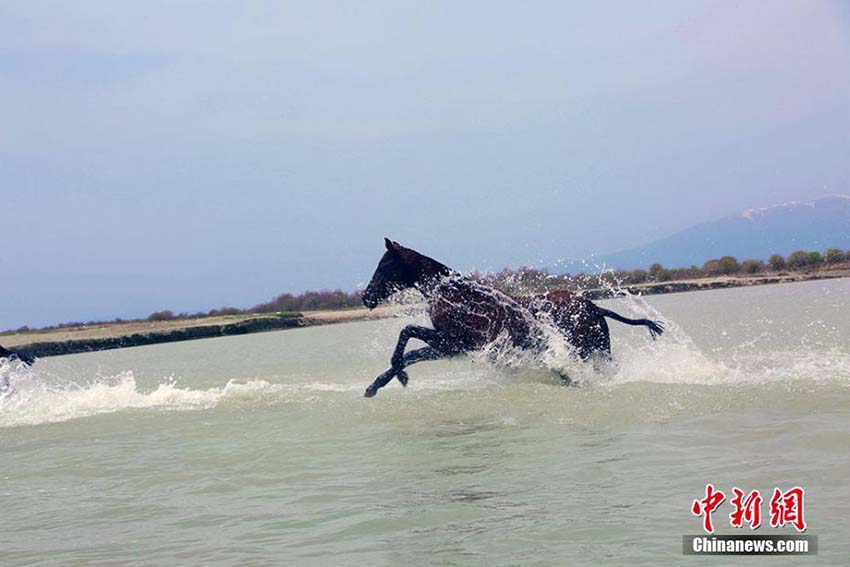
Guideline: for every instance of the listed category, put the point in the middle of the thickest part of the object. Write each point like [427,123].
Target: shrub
[834,255]
[657,272]
[221,312]
[798,259]
[165,315]
[777,262]
[610,278]
[724,265]
[712,267]
[729,265]
[685,273]
[751,266]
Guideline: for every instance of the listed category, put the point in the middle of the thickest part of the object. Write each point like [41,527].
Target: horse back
[473,315]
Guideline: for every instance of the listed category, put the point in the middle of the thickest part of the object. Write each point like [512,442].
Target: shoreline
[58,342]
[719,282]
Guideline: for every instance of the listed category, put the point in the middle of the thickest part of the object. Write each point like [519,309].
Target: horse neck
[429,274]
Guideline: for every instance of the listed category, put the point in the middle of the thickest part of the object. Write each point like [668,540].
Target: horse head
[395,272]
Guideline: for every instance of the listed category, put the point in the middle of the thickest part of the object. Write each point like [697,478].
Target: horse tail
[655,327]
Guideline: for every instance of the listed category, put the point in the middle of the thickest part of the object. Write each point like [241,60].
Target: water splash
[32,400]
[673,359]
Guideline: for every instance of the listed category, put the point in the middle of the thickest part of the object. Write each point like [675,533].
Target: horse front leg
[414,356]
[399,359]
[424,334]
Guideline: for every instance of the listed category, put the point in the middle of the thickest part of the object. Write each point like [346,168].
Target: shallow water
[261,450]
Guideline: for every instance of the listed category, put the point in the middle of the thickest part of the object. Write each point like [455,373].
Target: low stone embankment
[703,285]
[254,325]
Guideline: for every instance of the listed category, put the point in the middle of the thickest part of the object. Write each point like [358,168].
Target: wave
[29,400]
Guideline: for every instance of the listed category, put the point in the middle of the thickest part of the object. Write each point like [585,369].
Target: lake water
[261,450]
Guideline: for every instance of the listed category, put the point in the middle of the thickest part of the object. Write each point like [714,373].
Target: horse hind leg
[596,340]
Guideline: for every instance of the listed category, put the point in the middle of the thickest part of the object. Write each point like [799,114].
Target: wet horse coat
[467,315]
[14,355]
[5,384]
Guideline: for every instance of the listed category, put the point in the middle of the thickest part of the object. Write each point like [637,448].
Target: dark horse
[467,315]
[13,355]
[5,384]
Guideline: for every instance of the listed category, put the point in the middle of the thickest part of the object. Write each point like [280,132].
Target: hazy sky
[190,155]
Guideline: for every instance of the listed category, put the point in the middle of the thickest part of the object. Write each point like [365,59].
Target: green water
[260,450]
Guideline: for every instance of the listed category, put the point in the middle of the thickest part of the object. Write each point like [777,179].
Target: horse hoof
[402,377]
[370,392]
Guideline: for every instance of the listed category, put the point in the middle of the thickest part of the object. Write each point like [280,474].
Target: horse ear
[388,243]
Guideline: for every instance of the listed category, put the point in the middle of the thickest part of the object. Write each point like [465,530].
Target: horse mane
[425,266]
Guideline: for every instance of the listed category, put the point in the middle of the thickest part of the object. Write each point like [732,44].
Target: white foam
[31,401]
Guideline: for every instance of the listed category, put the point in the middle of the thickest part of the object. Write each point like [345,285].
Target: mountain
[752,233]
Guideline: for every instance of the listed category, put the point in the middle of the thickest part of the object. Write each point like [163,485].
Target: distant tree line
[522,280]
[310,301]
[531,280]
[801,260]
[284,303]
[287,302]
